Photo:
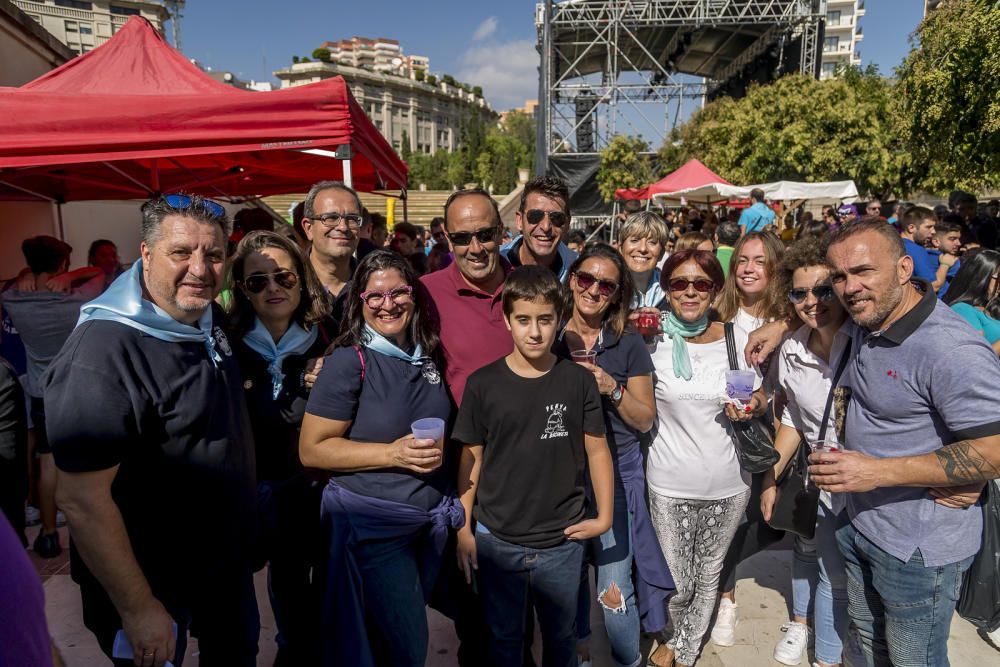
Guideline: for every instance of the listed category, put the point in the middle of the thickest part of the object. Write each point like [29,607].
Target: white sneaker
[792,647]
[31,515]
[724,630]
[60,518]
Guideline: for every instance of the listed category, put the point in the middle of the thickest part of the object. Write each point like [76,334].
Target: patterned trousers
[694,536]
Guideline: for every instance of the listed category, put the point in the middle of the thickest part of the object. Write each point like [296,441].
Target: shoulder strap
[362,358]
[845,355]
[731,346]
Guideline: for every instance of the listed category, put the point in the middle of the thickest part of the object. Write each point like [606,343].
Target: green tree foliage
[497,164]
[449,79]
[623,166]
[949,111]
[295,59]
[800,129]
[522,127]
[418,74]
[321,54]
[432,80]
[477,91]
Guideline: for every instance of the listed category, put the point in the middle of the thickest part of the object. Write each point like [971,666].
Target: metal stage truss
[607,64]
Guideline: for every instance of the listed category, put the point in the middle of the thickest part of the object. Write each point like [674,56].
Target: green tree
[477,91]
[497,164]
[798,128]
[404,148]
[321,54]
[948,110]
[623,165]
[432,80]
[418,75]
[295,59]
[449,79]
[522,127]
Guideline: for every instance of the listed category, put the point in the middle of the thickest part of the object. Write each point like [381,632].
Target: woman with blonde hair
[694,241]
[642,242]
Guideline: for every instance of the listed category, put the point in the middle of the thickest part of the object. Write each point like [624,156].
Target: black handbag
[797,500]
[754,439]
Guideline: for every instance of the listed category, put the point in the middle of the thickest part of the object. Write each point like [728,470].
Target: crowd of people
[497,425]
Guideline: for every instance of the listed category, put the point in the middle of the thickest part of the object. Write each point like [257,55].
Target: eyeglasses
[484,236]
[398,295]
[604,287]
[702,285]
[182,202]
[821,292]
[557,218]
[258,282]
[332,220]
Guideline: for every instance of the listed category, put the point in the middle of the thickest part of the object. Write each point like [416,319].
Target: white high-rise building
[842,35]
[84,24]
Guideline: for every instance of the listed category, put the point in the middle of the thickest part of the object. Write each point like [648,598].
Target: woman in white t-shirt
[697,490]
[750,298]
[807,365]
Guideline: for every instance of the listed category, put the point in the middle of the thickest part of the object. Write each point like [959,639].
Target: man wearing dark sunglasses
[150,432]
[542,218]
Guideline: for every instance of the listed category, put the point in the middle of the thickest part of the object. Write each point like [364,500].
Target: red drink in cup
[648,324]
[825,446]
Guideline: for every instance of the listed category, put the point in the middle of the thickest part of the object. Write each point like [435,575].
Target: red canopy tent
[134,117]
[693,174]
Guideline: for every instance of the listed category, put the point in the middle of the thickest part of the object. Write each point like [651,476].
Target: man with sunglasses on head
[333,222]
[151,437]
[542,218]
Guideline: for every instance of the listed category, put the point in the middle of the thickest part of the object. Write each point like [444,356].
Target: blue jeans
[902,610]
[512,578]
[818,566]
[611,555]
[394,599]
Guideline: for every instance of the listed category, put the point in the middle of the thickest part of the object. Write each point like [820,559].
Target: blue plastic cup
[739,384]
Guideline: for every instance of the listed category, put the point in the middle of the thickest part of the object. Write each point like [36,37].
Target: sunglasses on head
[702,285]
[258,282]
[182,202]
[821,292]
[535,216]
[484,236]
[604,287]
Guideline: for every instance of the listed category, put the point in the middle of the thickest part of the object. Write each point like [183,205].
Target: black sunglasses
[535,216]
[585,281]
[681,284]
[258,282]
[484,236]
[181,202]
[821,292]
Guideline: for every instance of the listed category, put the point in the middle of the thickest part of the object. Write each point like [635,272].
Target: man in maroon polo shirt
[465,297]
[466,307]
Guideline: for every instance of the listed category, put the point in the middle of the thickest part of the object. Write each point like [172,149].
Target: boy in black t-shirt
[530,422]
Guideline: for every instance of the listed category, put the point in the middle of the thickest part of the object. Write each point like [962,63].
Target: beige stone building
[431,116]
[84,24]
[842,36]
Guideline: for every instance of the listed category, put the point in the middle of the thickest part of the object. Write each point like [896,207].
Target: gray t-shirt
[927,381]
[45,320]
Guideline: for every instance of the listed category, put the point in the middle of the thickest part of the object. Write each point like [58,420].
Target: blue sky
[486,43]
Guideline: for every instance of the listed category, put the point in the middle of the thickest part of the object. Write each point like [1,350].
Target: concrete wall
[26,50]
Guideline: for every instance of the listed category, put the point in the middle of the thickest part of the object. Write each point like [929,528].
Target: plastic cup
[825,446]
[429,428]
[739,385]
[648,324]
[584,356]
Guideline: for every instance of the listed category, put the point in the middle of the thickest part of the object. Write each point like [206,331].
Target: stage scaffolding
[607,64]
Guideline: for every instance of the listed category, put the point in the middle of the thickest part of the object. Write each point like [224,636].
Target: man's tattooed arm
[962,463]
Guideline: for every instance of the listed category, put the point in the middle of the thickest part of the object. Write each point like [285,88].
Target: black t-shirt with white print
[531,482]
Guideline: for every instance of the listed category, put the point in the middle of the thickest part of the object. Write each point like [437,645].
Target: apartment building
[842,35]
[85,24]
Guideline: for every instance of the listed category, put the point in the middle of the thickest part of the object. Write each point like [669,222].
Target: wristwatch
[617,393]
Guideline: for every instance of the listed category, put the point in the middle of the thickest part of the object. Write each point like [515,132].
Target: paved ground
[764,583]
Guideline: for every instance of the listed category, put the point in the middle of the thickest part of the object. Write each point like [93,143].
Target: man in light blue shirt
[916,411]
[758,216]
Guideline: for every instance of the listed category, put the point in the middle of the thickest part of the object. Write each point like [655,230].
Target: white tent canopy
[832,192]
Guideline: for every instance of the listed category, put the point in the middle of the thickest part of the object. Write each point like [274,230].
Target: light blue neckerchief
[651,296]
[373,340]
[122,302]
[295,340]
[679,330]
